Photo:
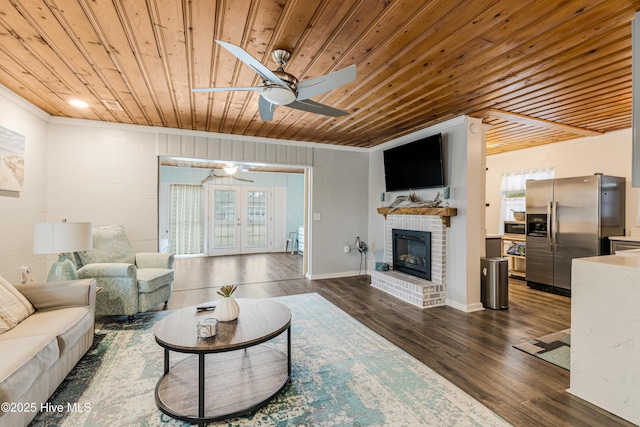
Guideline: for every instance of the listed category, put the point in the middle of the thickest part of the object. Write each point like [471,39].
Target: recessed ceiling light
[78,103]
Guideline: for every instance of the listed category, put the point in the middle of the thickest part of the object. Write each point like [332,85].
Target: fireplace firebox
[412,252]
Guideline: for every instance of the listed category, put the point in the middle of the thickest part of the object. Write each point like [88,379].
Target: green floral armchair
[129,282]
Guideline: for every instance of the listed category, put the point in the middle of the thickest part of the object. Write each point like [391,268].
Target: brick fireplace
[415,290]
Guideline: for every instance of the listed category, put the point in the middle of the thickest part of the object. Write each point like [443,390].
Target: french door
[240,220]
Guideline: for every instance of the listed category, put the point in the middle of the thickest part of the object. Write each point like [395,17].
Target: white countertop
[626,238]
[605,338]
[630,259]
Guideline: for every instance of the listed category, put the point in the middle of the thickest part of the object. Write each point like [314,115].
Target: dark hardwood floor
[474,351]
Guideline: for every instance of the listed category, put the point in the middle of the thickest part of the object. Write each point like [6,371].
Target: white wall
[339,194]
[107,175]
[609,154]
[20,210]
[465,292]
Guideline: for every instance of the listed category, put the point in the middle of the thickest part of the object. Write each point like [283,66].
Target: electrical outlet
[24,274]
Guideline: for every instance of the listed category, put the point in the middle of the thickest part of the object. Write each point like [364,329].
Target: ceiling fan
[281,88]
[231,168]
[213,175]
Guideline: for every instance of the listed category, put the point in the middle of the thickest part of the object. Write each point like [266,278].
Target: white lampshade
[60,237]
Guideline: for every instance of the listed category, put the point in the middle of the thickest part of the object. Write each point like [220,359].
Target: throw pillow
[14,307]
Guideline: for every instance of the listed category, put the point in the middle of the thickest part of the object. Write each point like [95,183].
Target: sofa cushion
[14,307]
[110,244]
[66,324]
[23,361]
[150,279]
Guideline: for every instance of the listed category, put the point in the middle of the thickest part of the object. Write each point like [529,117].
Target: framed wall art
[11,160]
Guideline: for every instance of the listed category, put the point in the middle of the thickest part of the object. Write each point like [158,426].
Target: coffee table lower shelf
[234,383]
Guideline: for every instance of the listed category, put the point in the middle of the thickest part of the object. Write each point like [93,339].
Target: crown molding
[12,96]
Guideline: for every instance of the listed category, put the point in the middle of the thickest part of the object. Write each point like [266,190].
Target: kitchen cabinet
[623,243]
[517,259]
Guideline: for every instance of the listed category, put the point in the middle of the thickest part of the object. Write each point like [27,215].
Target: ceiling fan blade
[227,89]
[254,64]
[241,179]
[316,107]
[266,109]
[208,178]
[312,87]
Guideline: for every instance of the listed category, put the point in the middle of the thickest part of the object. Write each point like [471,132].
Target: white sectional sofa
[40,350]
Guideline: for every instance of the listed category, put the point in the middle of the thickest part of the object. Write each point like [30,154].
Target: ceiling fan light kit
[281,88]
[278,95]
[231,169]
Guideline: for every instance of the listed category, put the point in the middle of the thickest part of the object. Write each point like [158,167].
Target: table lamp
[58,238]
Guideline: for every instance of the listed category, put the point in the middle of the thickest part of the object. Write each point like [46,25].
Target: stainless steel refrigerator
[570,218]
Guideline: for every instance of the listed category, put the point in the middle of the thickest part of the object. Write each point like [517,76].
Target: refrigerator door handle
[555,226]
[549,245]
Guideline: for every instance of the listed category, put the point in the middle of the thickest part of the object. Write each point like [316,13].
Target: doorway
[240,220]
[246,223]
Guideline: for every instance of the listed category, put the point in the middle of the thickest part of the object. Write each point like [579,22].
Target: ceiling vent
[112,105]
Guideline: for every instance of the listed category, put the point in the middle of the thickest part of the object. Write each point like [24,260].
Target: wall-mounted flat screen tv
[417,164]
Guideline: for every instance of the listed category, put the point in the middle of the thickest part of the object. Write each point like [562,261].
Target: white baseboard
[466,308]
[336,275]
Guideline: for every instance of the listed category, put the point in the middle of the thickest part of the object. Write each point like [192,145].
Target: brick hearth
[414,290]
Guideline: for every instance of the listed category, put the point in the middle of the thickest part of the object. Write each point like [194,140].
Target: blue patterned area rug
[554,348]
[343,374]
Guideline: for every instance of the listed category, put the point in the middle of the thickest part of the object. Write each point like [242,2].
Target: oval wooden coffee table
[241,377]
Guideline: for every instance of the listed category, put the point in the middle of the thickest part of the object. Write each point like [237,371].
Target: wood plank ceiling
[536,71]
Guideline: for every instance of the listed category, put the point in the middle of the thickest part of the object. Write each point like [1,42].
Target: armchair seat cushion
[24,360]
[68,325]
[150,279]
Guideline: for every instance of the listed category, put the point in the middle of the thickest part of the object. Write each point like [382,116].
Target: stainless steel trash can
[494,291]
